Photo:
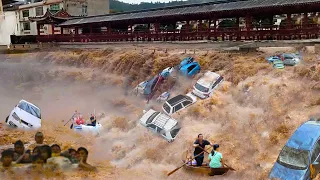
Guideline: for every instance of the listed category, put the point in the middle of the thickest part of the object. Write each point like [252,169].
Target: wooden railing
[254,33]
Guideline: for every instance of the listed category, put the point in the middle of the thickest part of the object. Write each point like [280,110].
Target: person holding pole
[199,145]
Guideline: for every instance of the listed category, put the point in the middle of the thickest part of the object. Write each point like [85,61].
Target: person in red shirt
[80,120]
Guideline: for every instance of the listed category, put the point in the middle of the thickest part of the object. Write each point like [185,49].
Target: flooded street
[250,127]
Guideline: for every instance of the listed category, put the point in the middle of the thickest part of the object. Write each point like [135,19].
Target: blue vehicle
[167,72]
[148,87]
[188,67]
[186,61]
[300,157]
[191,69]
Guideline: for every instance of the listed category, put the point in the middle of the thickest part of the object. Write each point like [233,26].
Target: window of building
[84,9]
[25,13]
[55,8]
[39,11]
[26,26]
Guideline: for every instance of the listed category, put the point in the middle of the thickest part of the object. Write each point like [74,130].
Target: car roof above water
[177,99]
[305,136]
[24,101]
[208,78]
[164,122]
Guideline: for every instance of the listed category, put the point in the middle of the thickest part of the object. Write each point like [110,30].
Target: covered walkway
[221,20]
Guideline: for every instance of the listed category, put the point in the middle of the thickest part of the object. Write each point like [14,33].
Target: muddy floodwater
[251,115]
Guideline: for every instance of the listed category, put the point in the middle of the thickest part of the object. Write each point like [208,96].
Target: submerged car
[273,58]
[178,103]
[300,157]
[163,97]
[167,72]
[25,115]
[188,67]
[206,85]
[160,124]
[191,69]
[290,59]
[278,64]
[146,88]
[186,61]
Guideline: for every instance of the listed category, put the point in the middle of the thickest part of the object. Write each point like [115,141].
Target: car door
[186,103]
[315,157]
[177,108]
[217,83]
[152,127]
[164,135]
[159,130]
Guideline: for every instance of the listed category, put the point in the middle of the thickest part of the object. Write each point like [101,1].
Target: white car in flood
[206,85]
[25,115]
[161,124]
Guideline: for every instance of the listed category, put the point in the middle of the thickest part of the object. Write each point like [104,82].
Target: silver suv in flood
[290,59]
[206,85]
[160,124]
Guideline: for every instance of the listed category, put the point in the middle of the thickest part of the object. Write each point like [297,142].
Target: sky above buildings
[139,1]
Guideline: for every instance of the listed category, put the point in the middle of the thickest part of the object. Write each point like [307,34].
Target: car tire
[7,119]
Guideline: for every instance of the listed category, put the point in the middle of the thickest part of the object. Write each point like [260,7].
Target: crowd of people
[44,156]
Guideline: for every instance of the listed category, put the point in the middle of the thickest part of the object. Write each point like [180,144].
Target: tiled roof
[189,10]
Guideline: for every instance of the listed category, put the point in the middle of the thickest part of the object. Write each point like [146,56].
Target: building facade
[8,20]
[7,27]
[75,8]
[1,8]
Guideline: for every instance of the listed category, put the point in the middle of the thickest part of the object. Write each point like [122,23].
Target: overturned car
[25,115]
[146,88]
[188,67]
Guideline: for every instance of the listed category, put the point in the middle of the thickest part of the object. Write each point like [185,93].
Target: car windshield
[293,158]
[175,131]
[150,119]
[201,88]
[35,111]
